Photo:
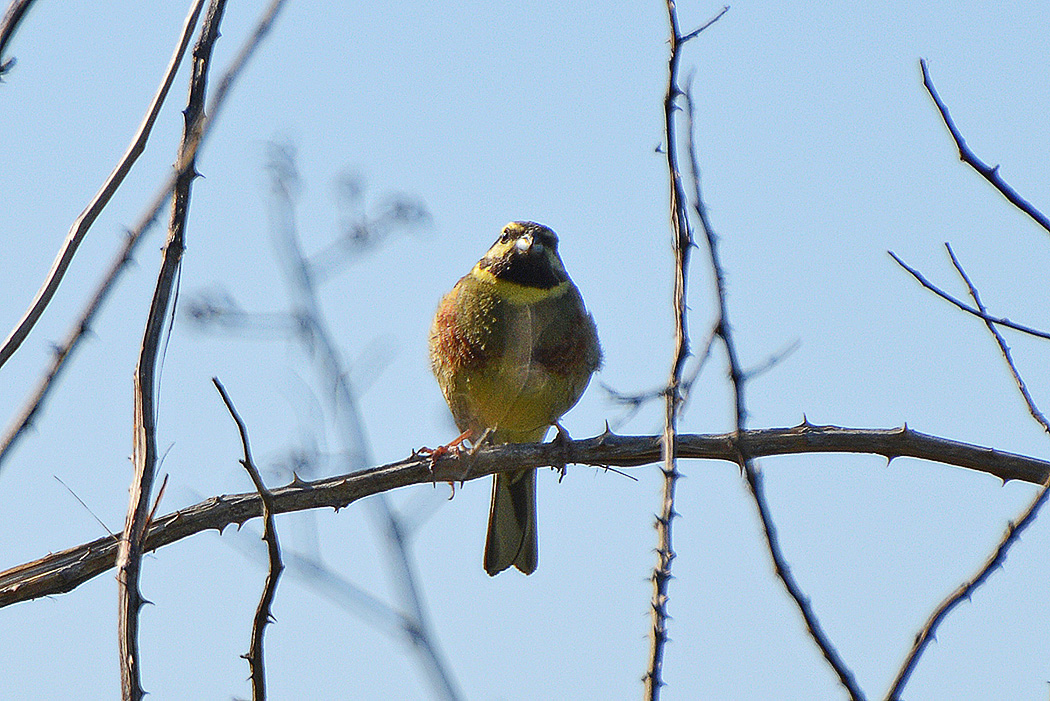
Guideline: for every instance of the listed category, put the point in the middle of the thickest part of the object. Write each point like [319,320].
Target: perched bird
[513,348]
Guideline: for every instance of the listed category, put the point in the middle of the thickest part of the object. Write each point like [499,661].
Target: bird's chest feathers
[508,374]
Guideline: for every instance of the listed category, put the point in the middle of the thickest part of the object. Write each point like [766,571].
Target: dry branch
[752,473]
[263,615]
[144,456]
[64,571]
[80,227]
[1013,530]
[681,243]
[64,350]
[989,173]
[16,12]
[318,342]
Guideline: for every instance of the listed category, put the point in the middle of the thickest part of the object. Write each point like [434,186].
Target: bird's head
[526,253]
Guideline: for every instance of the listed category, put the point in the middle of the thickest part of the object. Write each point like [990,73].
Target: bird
[513,348]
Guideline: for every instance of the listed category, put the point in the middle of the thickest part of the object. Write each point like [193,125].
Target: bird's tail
[512,523]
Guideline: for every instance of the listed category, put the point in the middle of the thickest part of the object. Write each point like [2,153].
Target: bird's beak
[527,244]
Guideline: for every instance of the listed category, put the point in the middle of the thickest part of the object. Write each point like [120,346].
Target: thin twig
[144,456]
[83,222]
[751,471]
[64,351]
[635,402]
[86,507]
[1013,529]
[1003,348]
[682,242]
[16,12]
[999,321]
[263,612]
[989,173]
[772,361]
[64,571]
[319,344]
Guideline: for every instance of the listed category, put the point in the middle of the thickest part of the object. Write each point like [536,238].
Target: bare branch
[751,471]
[989,173]
[327,363]
[16,12]
[1013,530]
[129,557]
[64,571]
[263,614]
[1000,321]
[1003,348]
[64,350]
[80,227]
[693,34]
[682,243]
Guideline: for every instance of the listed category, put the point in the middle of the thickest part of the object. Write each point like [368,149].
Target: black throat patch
[530,269]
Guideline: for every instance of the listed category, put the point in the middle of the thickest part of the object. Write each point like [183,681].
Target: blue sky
[820,151]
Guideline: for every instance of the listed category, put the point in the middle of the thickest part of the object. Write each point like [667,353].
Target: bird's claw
[453,448]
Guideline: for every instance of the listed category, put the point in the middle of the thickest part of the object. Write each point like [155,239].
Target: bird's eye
[505,236]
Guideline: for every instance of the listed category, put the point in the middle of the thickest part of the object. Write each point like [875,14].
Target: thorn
[297,481]
[805,422]
[564,441]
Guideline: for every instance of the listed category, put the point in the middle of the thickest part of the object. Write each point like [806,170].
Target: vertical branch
[83,222]
[682,241]
[723,331]
[263,612]
[129,555]
[751,472]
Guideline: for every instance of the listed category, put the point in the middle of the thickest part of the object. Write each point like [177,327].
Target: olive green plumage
[513,348]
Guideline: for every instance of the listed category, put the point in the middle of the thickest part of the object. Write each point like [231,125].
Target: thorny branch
[83,222]
[129,556]
[751,471]
[989,173]
[16,12]
[263,613]
[64,351]
[66,570]
[682,243]
[1014,529]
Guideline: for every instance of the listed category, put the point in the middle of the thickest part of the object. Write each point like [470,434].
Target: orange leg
[455,446]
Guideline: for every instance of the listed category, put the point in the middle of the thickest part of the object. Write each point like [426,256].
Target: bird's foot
[455,447]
